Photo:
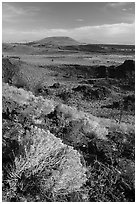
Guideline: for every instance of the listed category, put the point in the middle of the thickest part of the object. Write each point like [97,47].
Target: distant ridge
[55,41]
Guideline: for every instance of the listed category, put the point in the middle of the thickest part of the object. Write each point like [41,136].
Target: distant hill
[55,41]
[63,44]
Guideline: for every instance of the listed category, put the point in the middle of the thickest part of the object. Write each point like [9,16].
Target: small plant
[47,165]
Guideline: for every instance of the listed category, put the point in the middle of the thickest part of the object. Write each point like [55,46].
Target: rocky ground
[68,130]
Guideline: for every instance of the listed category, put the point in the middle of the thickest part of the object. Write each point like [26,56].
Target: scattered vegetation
[53,148]
[53,152]
[8,70]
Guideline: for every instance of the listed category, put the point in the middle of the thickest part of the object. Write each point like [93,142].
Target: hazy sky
[90,22]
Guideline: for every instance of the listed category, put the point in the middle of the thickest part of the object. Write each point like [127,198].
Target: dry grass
[56,167]
[49,170]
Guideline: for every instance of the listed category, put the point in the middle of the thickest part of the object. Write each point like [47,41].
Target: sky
[87,22]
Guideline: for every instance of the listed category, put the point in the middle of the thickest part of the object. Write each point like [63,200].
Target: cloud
[7,8]
[124,9]
[129,18]
[12,13]
[127,9]
[79,19]
[118,4]
[123,33]
[107,33]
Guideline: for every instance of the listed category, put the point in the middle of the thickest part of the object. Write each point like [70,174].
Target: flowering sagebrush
[47,154]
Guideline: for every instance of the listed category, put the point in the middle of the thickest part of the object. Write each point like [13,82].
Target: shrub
[48,165]
[45,169]
[8,70]
[103,183]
